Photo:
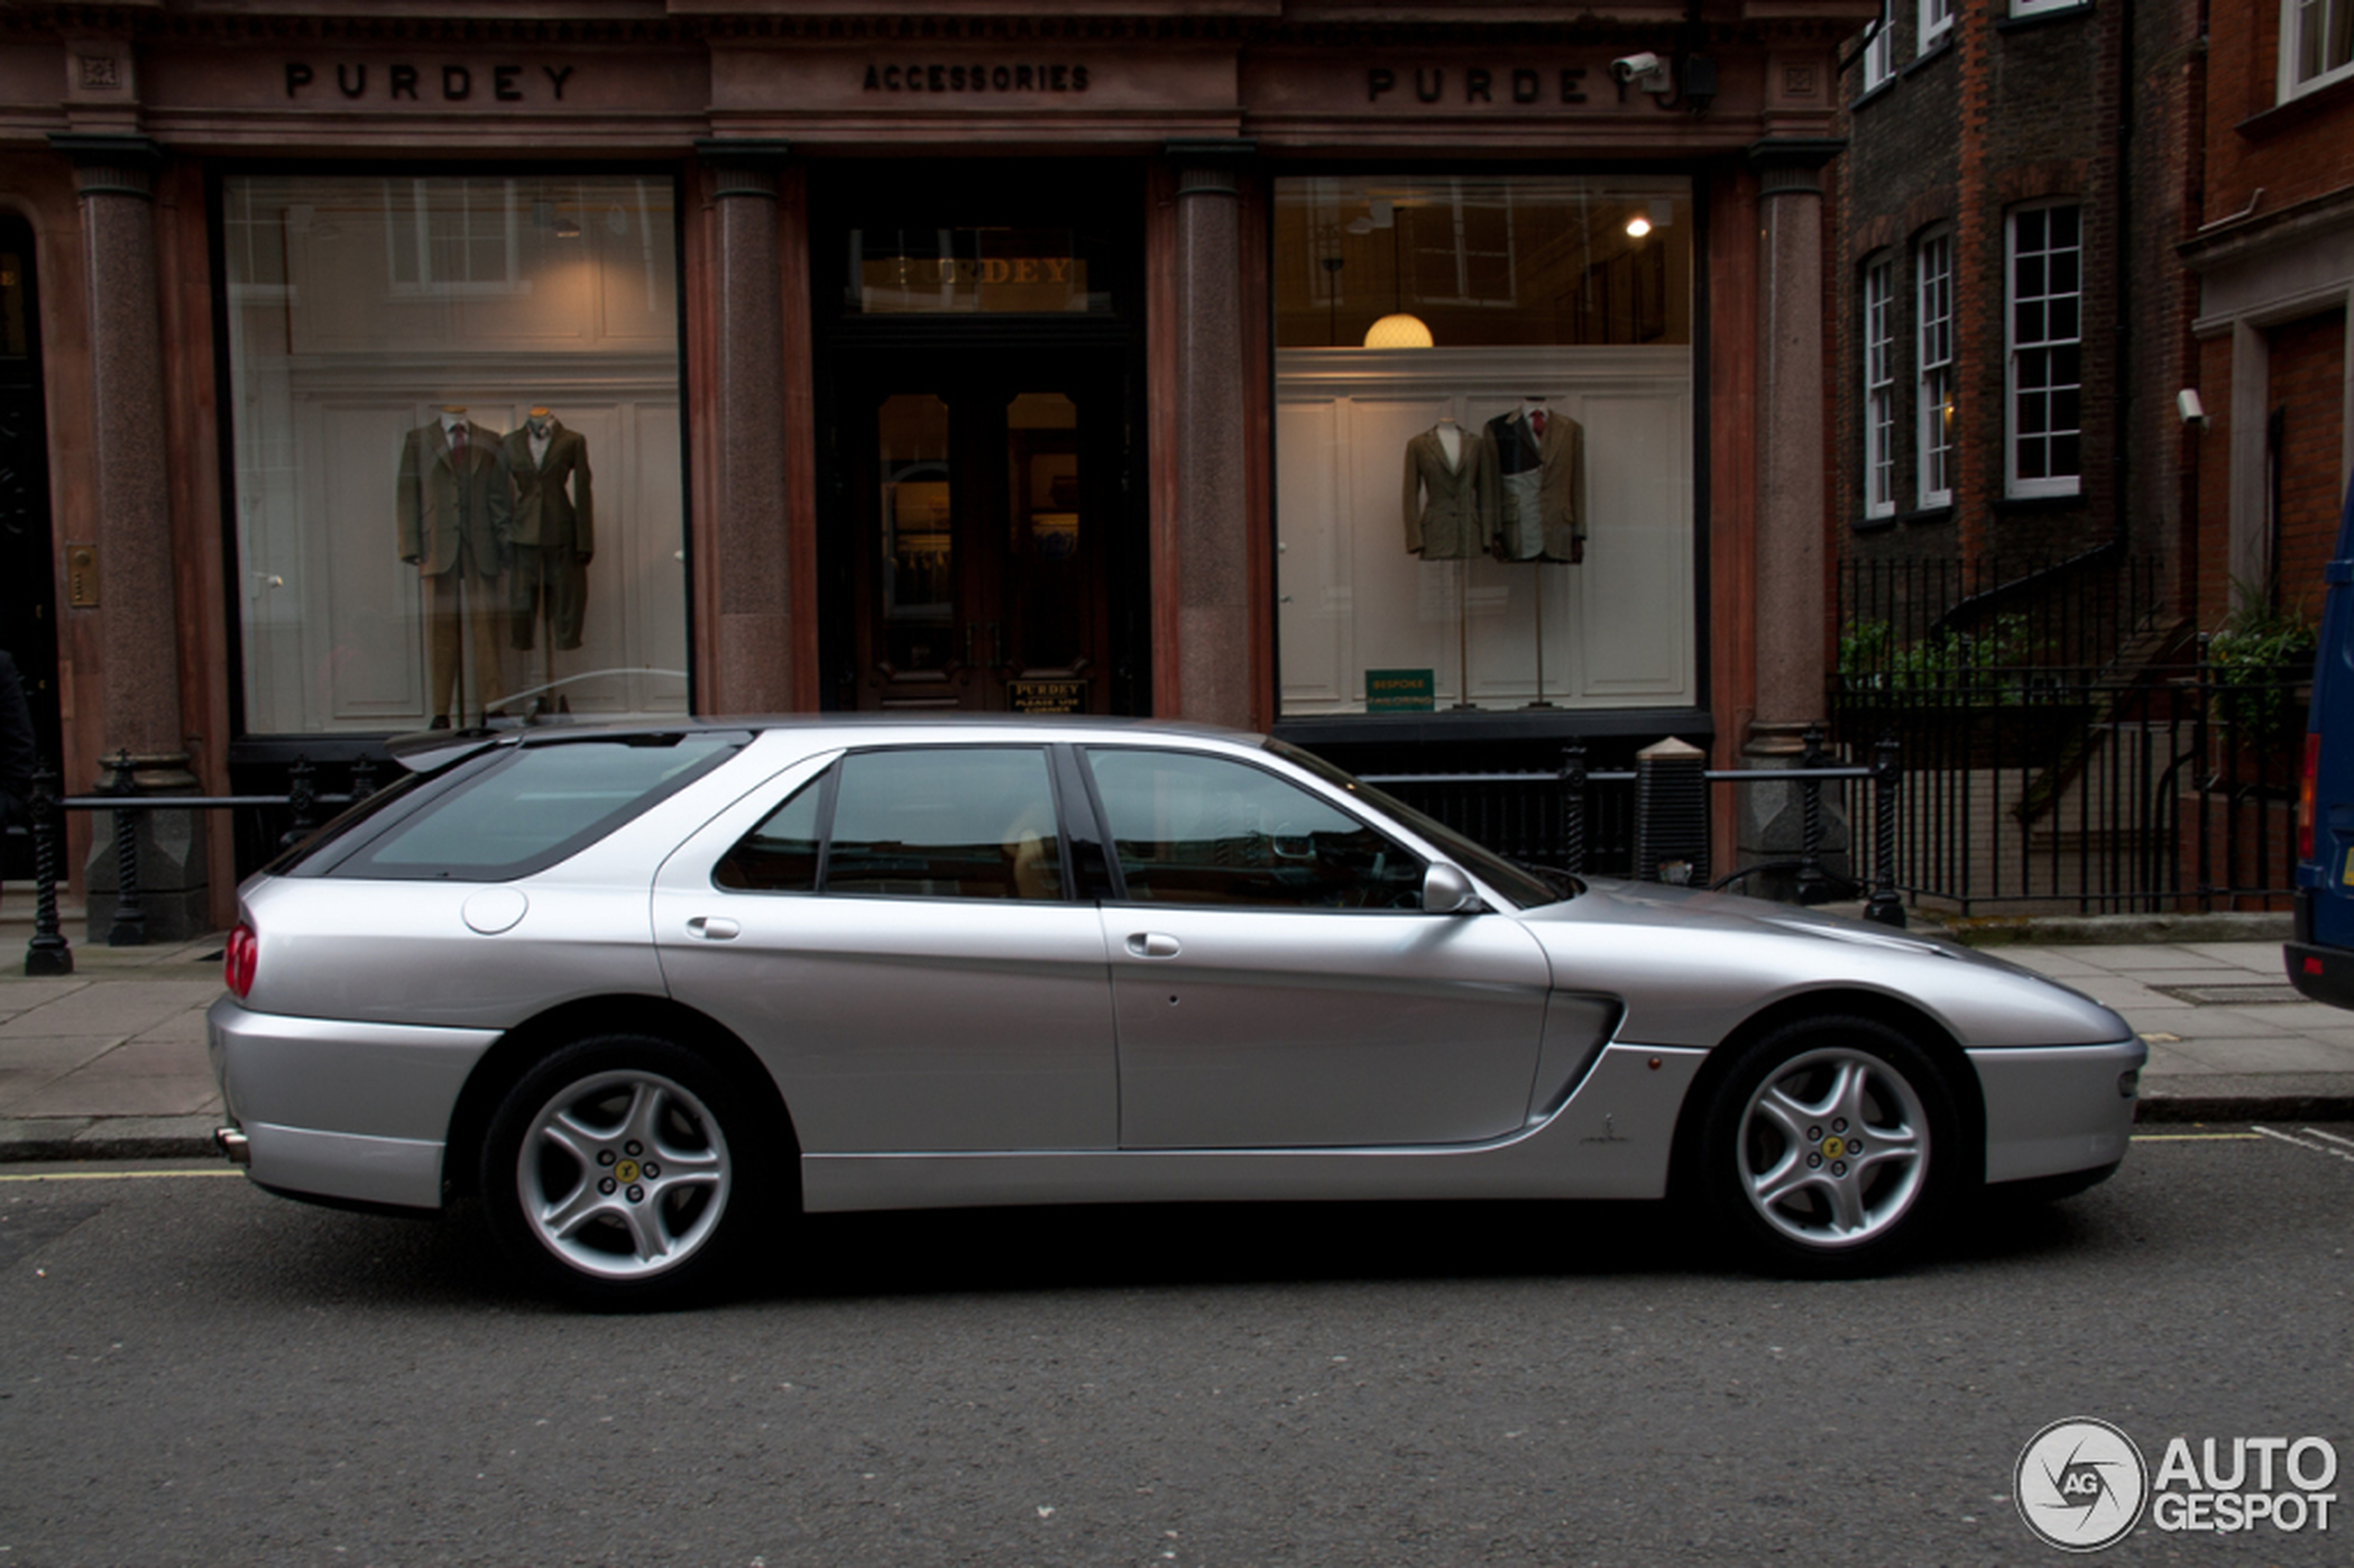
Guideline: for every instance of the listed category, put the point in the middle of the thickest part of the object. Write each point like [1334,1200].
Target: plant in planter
[2258,666]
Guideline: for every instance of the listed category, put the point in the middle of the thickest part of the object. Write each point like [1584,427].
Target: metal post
[303,796]
[1572,787]
[47,952]
[1885,906]
[1671,814]
[1813,886]
[130,929]
[363,780]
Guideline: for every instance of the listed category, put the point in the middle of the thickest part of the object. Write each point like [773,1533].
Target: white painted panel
[1311,575]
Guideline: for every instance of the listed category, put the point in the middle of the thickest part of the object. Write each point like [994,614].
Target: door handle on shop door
[711,927]
[1152,945]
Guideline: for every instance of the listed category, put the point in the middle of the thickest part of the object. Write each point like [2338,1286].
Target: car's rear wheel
[617,1171]
[1829,1147]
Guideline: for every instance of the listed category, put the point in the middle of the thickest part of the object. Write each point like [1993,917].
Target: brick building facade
[2011,325]
[2273,253]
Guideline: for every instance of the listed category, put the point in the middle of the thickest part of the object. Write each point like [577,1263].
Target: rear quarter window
[535,806]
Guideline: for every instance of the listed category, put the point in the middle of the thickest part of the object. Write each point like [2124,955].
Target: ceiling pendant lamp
[1398,331]
[1402,328]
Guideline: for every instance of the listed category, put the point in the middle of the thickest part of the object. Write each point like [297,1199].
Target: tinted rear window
[537,805]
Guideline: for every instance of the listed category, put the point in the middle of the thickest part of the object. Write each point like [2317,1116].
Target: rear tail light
[2305,794]
[237,960]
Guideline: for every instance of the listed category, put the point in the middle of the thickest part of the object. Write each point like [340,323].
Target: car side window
[1200,829]
[780,856]
[945,822]
[930,822]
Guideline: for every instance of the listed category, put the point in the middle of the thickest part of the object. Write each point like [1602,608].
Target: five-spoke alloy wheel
[1827,1146]
[611,1173]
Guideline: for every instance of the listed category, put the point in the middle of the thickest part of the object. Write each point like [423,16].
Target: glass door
[984,488]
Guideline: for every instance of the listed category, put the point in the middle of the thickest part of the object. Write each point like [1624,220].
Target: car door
[1276,981]
[895,937]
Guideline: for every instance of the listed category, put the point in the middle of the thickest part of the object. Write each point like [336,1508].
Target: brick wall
[2295,150]
[2309,387]
[2016,112]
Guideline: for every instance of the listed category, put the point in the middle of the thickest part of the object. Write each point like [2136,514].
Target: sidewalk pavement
[108,1062]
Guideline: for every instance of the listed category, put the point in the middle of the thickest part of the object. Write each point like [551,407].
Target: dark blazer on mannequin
[438,505]
[553,507]
[1534,486]
[1446,503]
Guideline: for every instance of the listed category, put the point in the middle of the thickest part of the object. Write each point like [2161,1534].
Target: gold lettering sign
[1048,696]
[987,270]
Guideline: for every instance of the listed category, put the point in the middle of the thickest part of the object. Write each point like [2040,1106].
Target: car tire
[622,1171]
[1780,1170]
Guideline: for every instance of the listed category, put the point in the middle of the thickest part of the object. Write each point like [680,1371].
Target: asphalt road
[193,1372]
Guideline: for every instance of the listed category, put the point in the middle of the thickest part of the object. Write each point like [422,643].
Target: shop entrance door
[985,490]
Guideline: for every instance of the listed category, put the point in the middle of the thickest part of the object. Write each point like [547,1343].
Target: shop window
[1933,268]
[457,478]
[1879,389]
[2046,333]
[1519,348]
[2317,44]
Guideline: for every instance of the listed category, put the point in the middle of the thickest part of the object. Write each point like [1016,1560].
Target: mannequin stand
[1463,704]
[1538,604]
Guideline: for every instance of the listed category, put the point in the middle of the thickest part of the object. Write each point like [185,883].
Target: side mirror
[1446,890]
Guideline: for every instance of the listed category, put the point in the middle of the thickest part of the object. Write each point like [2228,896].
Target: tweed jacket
[1535,487]
[1447,505]
[436,505]
[553,507]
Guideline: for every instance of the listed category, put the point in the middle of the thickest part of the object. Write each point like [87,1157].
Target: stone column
[1790,542]
[1208,534]
[749,530]
[140,727]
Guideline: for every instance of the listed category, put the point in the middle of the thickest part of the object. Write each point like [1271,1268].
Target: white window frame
[486,213]
[2026,352]
[1880,51]
[2032,7]
[1937,25]
[2301,73]
[1880,387]
[1933,447]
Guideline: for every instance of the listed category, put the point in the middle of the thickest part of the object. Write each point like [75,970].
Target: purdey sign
[397,80]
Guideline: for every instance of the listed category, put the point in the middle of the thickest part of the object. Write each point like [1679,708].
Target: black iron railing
[49,953]
[1541,819]
[1652,823]
[1905,620]
[2095,790]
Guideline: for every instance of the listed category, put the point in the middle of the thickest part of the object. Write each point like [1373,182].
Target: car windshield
[1526,888]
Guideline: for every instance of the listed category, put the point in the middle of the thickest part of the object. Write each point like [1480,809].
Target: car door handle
[1152,945]
[711,927]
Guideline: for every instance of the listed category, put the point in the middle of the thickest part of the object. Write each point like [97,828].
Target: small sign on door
[1048,696]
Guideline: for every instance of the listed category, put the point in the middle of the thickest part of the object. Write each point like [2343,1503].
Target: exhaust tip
[233,1144]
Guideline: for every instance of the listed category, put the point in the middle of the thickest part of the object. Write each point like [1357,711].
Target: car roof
[424,750]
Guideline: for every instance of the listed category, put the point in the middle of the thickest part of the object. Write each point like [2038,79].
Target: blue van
[2320,960]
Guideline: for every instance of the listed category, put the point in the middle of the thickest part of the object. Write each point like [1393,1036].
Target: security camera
[1632,68]
[2194,412]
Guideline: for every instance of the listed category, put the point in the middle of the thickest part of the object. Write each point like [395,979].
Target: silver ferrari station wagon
[649,992]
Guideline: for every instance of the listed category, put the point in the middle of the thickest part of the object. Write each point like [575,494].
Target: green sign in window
[1398,691]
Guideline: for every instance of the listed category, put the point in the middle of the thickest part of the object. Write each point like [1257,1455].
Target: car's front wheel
[614,1172]
[1829,1147]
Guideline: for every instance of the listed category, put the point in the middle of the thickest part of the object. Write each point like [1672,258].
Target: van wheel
[1829,1147]
[612,1175]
